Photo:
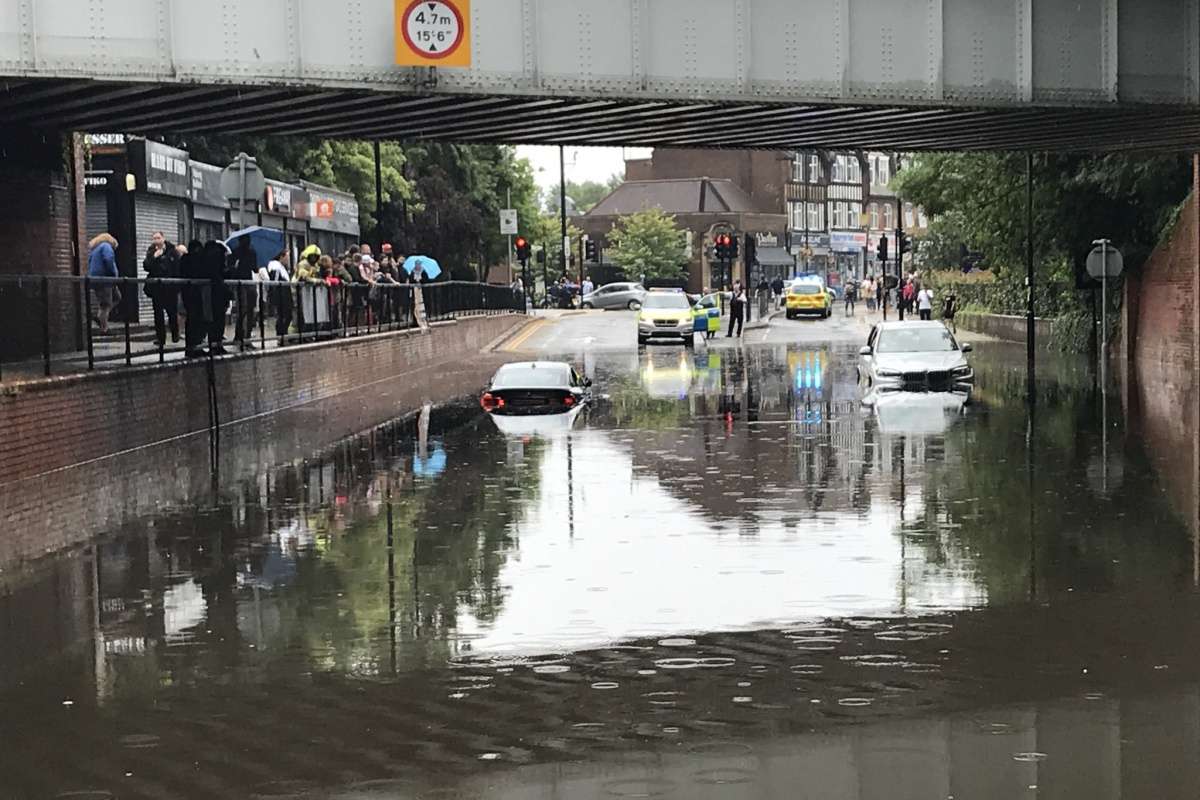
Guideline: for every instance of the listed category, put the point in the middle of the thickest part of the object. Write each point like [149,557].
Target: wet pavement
[725,578]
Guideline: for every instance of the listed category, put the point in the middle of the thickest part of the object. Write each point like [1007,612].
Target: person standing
[588,287]
[737,311]
[281,293]
[245,265]
[851,296]
[925,304]
[763,290]
[777,290]
[950,310]
[162,263]
[195,323]
[102,263]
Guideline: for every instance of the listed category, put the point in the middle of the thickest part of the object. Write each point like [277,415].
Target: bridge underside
[154,108]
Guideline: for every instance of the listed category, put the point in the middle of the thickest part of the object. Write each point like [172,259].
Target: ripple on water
[806,669]
[649,787]
[678,642]
[1029,757]
[551,669]
[139,741]
[605,686]
[85,794]
[383,788]
[724,776]
[279,790]
[721,749]
[855,702]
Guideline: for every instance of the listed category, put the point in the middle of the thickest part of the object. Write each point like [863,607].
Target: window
[847,215]
[798,168]
[846,169]
[796,215]
[814,168]
[887,217]
[835,175]
[922,220]
[875,216]
[816,216]
[881,170]
[910,221]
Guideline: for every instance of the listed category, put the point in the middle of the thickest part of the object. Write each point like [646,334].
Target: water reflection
[727,575]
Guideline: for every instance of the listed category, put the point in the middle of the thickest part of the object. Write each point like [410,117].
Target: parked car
[535,387]
[616,295]
[915,356]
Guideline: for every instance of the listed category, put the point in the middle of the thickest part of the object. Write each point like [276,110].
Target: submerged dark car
[535,387]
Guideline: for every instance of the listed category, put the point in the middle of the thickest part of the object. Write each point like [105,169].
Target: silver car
[616,295]
[915,356]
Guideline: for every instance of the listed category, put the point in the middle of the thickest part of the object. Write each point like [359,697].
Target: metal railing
[58,325]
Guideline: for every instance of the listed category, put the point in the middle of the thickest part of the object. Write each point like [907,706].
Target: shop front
[333,219]
[210,210]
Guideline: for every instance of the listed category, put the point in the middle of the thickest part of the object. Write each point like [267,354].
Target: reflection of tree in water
[977,499]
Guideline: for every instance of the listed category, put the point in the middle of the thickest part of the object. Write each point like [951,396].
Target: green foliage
[439,199]
[648,243]
[980,200]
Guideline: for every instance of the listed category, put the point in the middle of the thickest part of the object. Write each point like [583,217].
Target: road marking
[523,337]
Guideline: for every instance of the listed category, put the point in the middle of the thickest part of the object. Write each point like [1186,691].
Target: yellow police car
[665,314]
[808,297]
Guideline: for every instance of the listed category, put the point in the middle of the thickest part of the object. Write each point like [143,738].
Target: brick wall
[137,489]
[1155,359]
[60,422]
[39,193]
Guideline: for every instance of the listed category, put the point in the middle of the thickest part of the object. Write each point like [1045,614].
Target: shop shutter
[96,211]
[155,213]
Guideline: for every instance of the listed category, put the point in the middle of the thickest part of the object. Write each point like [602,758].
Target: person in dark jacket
[213,265]
[737,310]
[245,265]
[162,263]
[191,268]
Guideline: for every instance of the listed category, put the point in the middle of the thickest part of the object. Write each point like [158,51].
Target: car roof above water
[899,326]
[519,373]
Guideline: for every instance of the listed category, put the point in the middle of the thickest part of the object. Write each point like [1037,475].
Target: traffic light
[903,243]
[733,247]
[522,246]
[721,247]
[881,252]
[591,251]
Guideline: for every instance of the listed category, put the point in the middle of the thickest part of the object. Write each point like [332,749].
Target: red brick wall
[37,192]
[61,422]
[1154,355]
[68,507]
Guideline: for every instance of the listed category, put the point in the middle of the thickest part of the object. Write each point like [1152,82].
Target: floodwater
[726,578]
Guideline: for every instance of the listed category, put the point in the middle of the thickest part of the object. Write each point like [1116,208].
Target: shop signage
[847,241]
[206,185]
[159,169]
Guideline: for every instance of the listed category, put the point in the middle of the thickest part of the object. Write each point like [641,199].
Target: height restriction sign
[433,33]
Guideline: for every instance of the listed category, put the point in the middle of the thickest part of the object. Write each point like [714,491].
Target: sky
[583,163]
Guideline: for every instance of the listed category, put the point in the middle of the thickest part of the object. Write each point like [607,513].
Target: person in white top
[925,303]
[281,293]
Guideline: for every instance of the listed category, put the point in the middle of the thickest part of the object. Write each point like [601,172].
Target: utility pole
[508,204]
[562,204]
[900,255]
[1030,331]
[379,204]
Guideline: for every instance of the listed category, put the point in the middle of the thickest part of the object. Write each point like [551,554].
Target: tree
[584,195]
[648,243]
[1077,199]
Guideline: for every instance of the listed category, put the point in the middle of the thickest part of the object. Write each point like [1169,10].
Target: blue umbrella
[429,267]
[266,242]
[430,467]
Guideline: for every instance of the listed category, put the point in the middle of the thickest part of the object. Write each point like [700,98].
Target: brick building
[808,211]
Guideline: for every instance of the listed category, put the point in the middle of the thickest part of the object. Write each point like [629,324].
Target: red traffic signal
[522,247]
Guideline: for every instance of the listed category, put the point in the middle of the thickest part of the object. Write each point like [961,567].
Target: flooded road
[726,578]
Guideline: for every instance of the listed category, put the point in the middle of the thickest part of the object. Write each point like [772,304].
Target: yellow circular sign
[433,33]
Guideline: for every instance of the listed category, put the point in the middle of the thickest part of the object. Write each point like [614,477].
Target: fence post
[262,315]
[87,302]
[125,316]
[162,340]
[46,323]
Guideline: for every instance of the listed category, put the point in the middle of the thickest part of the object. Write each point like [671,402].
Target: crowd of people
[911,295]
[204,305]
